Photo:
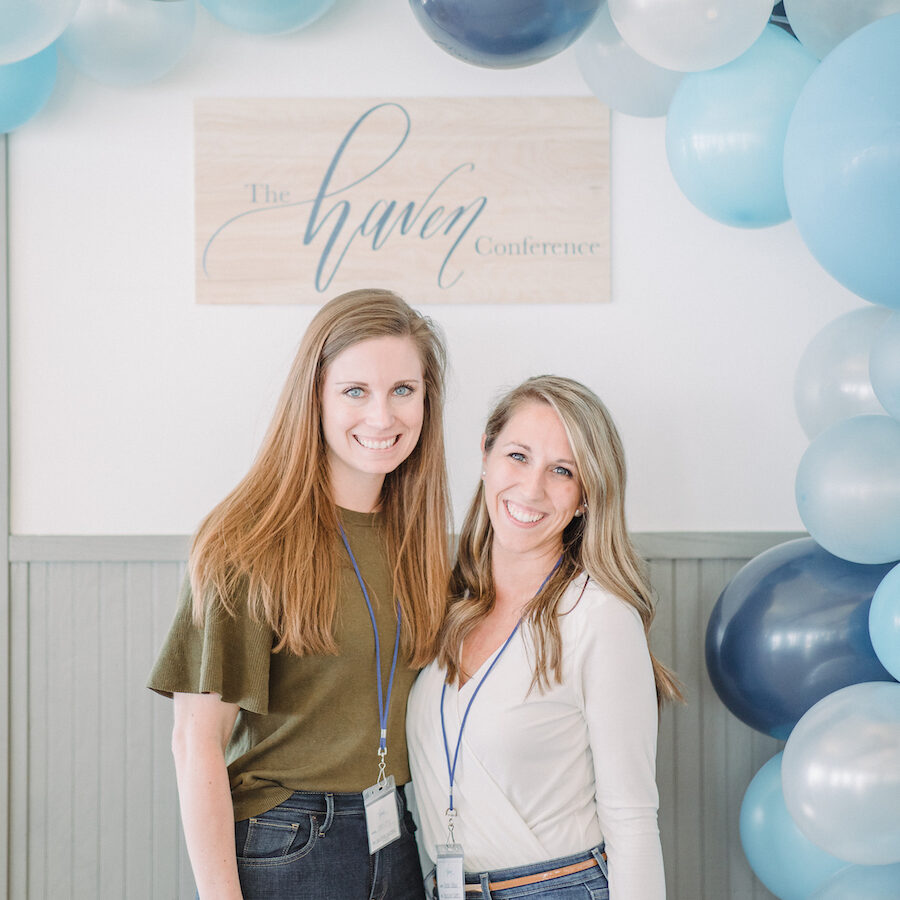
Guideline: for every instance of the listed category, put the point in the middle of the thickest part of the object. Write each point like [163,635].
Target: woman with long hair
[533,735]
[315,592]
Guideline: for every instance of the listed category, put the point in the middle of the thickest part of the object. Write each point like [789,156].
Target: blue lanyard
[384,704]
[451,767]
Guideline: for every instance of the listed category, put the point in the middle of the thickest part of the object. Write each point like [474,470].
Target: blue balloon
[268,16]
[791,627]
[848,489]
[725,131]
[25,86]
[504,34]
[785,861]
[884,623]
[884,365]
[861,883]
[842,162]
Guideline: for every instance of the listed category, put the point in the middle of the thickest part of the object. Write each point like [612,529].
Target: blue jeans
[314,847]
[588,884]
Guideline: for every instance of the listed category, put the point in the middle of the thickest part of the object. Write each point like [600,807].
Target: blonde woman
[315,592]
[533,736]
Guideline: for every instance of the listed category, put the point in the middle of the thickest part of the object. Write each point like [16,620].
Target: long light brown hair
[275,538]
[596,543]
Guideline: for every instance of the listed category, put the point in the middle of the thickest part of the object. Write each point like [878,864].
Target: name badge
[382,818]
[450,875]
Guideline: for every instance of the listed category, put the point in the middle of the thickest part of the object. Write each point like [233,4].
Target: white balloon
[690,35]
[841,773]
[832,381]
[129,42]
[27,26]
[820,25]
[624,81]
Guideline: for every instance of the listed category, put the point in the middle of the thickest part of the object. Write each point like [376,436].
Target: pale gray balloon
[623,80]
[27,26]
[690,35]
[840,773]
[832,380]
[820,25]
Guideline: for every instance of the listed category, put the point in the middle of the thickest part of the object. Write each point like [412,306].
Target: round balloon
[861,883]
[128,42]
[25,86]
[848,489]
[884,622]
[791,627]
[832,380]
[268,16]
[822,24]
[842,162]
[884,365]
[503,34]
[841,773]
[28,26]
[690,35]
[783,859]
[619,77]
[725,131]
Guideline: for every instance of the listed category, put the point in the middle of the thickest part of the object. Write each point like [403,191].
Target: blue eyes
[401,390]
[557,470]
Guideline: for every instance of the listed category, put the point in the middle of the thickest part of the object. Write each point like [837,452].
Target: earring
[483,472]
[577,512]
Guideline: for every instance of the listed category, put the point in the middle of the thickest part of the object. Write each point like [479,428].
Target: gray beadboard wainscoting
[93,805]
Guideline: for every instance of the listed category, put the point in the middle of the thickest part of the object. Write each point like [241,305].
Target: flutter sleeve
[621,713]
[228,655]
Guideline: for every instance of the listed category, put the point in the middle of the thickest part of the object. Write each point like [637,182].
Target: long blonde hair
[274,539]
[596,543]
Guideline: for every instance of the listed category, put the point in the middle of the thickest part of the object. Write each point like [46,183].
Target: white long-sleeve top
[545,775]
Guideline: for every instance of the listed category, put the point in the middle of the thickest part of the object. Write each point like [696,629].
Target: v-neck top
[547,774]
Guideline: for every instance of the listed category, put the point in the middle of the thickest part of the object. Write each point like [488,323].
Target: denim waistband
[494,876]
[334,804]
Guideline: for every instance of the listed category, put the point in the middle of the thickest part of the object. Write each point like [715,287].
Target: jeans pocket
[272,840]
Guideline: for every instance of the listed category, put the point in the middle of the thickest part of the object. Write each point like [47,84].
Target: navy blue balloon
[790,628]
[504,34]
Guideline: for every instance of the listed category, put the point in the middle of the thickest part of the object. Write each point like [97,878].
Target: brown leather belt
[537,877]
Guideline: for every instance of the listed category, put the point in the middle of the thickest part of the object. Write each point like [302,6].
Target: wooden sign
[468,200]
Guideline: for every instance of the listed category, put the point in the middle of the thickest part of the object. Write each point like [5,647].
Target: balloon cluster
[116,42]
[804,642]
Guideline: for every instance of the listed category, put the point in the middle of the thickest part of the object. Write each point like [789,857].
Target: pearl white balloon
[690,35]
[841,773]
[27,26]
[820,25]
[624,81]
[832,380]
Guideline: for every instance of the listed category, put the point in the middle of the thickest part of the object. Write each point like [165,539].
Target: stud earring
[483,473]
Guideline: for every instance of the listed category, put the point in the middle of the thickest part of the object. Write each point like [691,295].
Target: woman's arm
[203,725]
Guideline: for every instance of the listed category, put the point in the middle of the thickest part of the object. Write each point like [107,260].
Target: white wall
[134,410]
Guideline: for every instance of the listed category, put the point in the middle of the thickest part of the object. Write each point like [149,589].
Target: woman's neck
[361,494]
[518,577]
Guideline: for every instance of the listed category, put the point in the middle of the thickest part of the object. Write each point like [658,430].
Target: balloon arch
[791,112]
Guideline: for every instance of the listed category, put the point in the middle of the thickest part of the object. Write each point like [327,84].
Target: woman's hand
[203,725]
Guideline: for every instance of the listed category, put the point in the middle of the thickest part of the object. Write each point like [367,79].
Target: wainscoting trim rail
[174,547]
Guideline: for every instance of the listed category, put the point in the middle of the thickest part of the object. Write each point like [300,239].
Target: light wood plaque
[445,200]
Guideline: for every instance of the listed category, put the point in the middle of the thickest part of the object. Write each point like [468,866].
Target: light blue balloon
[841,773]
[832,380]
[268,16]
[848,489]
[129,42]
[884,623]
[25,86]
[842,162]
[884,365]
[785,861]
[725,131]
[861,883]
